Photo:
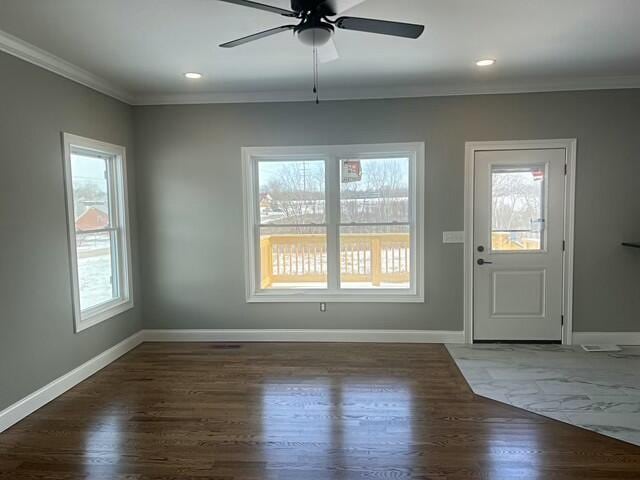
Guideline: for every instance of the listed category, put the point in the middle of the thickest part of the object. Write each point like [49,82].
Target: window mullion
[333,219]
[413,220]
[117,268]
[376,224]
[79,233]
[256,220]
[290,225]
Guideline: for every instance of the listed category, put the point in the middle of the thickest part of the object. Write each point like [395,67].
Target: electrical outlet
[452,237]
[323,307]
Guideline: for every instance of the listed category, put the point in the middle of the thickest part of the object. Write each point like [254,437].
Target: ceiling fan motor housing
[320,6]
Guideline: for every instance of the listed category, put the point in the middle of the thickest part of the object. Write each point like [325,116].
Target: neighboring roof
[92,219]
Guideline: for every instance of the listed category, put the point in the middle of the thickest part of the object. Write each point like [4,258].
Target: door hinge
[562,320]
[564,245]
[565,168]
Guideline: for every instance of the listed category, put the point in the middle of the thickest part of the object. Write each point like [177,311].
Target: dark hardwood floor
[296,412]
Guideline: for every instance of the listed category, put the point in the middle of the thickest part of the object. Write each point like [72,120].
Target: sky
[85,169]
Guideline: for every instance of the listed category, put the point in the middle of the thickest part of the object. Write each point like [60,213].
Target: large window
[95,179]
[334,223]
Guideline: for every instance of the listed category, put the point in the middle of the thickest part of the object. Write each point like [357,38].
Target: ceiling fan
[316,26]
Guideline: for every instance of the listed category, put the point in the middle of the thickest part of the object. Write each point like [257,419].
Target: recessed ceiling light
[487,62]
[193,75]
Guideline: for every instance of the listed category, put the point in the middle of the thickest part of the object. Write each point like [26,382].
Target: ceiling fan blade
[328,52]
[257,36]
[262,6]
[341,6]
[384,27]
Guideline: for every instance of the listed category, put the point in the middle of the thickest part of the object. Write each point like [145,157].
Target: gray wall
[191,201]
[37,341]
[190,206]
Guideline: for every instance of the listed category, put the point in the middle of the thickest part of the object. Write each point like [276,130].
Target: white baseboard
[355,336]
[16,412]
[608,338]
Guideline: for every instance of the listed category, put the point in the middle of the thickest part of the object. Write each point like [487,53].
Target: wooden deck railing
[503,241]
[369,258]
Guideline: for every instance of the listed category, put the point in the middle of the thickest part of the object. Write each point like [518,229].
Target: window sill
[105,313]
[317,297]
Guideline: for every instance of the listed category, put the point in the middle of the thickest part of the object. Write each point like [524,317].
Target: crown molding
[37,56]
[493,88]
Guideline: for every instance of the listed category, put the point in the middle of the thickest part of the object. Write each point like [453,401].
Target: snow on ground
[94,275]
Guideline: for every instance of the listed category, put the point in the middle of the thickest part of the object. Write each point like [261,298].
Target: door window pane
[374,190]
[293,257]
[94,253]
[375,257]
[517,210]
[292,192]
[90,191]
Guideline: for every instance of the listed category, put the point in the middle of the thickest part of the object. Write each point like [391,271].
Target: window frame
[332,155]
[119,229]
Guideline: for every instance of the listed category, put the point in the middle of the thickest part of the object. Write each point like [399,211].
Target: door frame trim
[570,146]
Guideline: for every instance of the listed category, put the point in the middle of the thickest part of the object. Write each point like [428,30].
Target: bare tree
[382,193]
[298,191]
[516,200]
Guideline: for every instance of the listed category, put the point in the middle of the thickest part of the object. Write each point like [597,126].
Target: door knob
[481,262]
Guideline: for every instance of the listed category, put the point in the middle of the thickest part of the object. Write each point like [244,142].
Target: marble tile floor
[596,391]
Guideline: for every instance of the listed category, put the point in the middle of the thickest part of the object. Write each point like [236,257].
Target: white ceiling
[142,47]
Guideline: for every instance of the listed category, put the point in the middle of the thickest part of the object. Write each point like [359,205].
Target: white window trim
[100,313]
[250,157]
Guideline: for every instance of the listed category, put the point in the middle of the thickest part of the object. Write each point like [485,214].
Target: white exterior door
[518,244]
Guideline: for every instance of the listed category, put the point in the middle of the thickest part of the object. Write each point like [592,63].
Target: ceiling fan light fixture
[315,36]
[486,62]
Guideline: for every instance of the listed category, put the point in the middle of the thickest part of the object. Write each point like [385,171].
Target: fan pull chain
[316,88]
